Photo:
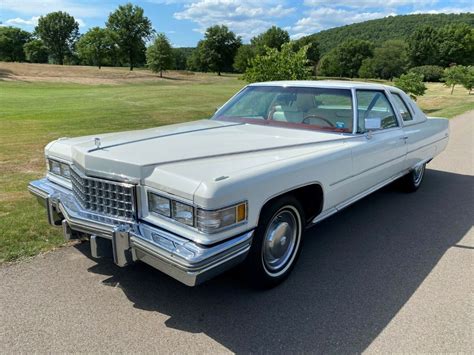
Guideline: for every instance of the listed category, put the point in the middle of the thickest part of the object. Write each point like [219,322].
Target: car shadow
[428,111]
[356,271]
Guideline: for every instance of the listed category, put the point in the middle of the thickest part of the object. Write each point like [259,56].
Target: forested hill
[393,27]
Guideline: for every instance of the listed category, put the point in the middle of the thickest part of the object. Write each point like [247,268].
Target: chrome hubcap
[418,174]
[279,241]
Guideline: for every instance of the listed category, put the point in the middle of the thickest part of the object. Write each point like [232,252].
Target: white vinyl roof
[341,84]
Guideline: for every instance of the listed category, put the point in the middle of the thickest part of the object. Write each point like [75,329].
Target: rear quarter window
[402,107]
[374,104]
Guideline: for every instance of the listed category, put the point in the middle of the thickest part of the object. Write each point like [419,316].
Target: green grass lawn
[440,103]
[34,113]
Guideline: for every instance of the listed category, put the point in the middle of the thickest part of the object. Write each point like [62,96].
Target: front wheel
[276,244]
[412,181]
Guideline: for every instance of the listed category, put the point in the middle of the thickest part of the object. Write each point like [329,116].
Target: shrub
[412,84]
[431,73]
[279,65]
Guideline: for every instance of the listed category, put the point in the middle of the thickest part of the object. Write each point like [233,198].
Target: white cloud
[33,21]
[244,17]
[371,3]
[18,21]
[81,22]
[446,10]
[168,2]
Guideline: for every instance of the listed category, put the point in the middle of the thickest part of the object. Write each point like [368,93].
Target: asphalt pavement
[392,273]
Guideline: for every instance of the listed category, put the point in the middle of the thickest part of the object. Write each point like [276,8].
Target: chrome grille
[104,197]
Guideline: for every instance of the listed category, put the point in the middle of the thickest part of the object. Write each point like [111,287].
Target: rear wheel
[412,181]
[276,244]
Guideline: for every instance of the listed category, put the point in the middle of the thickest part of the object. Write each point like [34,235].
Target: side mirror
[373,124]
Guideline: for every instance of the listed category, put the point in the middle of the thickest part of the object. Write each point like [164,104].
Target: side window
[402,107]
[374,104]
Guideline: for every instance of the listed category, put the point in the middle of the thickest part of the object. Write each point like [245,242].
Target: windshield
[293,107]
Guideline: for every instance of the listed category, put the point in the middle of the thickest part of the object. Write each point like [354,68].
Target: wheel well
[310,196]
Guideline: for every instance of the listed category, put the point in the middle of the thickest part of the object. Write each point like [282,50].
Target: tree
[329,64]
[350,55]
[12,40]
[95,46]
[132,29]
[181,56]
[36,51]
[390,27]
[279,65]
[456,44]
[412,84]
[219,48]
[114,55]
[274,37]
[468,80]
[390,60]
[242,59]
[195,62]
[58,31]
[423,46]
[368,70]
[159,56]
[448,45]
[454,75]
[346,59]
[312,54]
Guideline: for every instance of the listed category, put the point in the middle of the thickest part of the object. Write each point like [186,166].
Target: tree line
[128,38]
[429,54]
[56,39]
[124,39]
[426,46]
[388,28]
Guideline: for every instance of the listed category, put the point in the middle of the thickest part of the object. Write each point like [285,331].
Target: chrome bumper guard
[180,258]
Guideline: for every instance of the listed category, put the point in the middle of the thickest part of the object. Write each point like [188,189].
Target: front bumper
[127,242]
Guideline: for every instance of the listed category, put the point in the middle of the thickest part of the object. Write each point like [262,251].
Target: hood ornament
[97,142]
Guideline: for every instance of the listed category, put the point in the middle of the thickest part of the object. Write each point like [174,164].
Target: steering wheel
[326,121]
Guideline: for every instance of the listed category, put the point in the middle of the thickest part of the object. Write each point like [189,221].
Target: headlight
[214,221]
[159,204]
[59,168]
[206,221]
[182,213]
[66,171]
[54,167]
[178,211]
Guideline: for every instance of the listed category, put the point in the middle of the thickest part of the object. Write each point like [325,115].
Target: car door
[378,154]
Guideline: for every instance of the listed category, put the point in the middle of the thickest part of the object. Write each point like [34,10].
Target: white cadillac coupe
[195,199]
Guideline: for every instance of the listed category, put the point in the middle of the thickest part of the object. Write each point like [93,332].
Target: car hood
[186,153]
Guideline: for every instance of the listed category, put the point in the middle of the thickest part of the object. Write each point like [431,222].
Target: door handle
[404,138]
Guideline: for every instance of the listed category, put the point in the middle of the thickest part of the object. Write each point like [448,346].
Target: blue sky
[184,21]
